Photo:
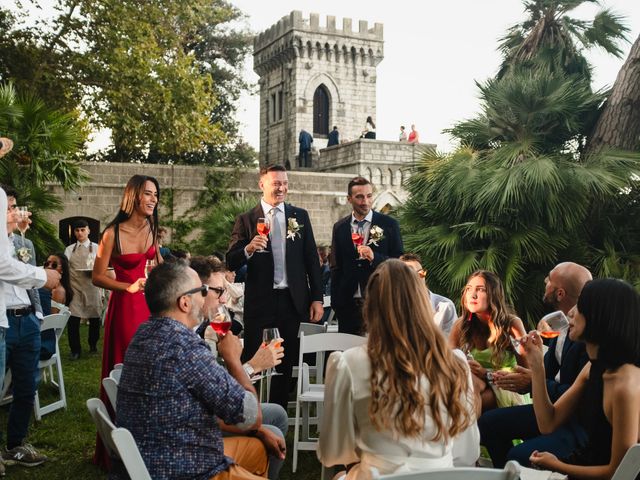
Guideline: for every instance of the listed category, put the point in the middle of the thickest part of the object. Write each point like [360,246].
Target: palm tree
[46,145]
[551,36]
[516,196]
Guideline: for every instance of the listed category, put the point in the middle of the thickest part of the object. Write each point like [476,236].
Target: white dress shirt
[13,270]
[366,228]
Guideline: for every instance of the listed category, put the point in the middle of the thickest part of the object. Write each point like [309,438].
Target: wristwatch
[489,376]
[248,369]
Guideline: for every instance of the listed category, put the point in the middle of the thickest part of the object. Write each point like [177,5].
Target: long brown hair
[501,317]
[130,199]
[406,347]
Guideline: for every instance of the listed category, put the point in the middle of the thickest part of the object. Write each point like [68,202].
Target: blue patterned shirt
[170,395]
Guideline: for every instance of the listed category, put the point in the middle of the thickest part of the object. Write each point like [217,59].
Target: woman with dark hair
[129,243]
[606,394]
[54,301]
[403,401]
[369,129]
[483,332]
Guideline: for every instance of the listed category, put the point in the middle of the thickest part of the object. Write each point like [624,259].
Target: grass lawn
[68,436]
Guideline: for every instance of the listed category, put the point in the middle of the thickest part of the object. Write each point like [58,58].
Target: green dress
[504,398]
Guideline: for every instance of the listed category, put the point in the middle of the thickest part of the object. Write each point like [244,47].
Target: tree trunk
[619,123]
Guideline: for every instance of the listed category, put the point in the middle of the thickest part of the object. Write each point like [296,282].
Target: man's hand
[268,356]
[518,381]
[365,252]
[259,242]
[53,279]
[274,444]
[316,311]
[230,348]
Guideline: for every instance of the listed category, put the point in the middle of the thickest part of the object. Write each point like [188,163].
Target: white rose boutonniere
[376,234]
[23,254]
[293,229]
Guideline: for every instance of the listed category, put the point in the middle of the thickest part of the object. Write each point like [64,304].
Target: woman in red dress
[127,243]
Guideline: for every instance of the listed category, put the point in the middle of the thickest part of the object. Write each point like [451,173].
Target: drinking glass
[221,321]
[150,265]
[263,227]
[557,322]
[357,237]
[270,335]
[91,259]
[23,220]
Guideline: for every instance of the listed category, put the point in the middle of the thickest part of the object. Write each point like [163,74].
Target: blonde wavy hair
[406,348]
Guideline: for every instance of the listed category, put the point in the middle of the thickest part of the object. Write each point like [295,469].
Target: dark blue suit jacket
[574,358]
[347,271]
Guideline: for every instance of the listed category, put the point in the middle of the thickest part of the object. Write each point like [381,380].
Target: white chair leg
[63,393]
[36,407]
[296,437]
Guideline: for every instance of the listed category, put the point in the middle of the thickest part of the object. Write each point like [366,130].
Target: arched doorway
[65,229]
[321,112]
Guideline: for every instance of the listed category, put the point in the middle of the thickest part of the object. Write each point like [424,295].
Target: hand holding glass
[23,219]
[271,335]
[264,227]
[357,237]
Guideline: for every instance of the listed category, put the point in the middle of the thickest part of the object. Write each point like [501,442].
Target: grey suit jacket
[34,296]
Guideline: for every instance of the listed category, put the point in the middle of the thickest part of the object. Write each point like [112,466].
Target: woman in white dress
[412,407]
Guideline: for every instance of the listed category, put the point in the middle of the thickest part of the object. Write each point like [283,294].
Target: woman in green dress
[483,332]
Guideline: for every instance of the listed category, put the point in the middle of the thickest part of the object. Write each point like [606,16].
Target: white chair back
[111,389]
[511,472]
[116,374]
[129,454]
[103,423]
[629,467]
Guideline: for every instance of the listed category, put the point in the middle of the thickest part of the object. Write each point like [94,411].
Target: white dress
[348,436]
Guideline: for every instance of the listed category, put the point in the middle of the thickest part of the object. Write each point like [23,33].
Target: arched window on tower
[321,111]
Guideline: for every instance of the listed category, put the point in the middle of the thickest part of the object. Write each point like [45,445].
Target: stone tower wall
[293,58]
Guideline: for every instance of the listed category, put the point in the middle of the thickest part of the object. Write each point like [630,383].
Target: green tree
[518,197]
[163,76]
[46,147]
[549,35]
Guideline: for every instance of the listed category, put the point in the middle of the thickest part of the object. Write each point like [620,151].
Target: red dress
[125,313]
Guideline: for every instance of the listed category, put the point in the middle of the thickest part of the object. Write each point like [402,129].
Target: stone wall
[322,194]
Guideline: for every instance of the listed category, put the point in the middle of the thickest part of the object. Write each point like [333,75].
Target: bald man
[563,362]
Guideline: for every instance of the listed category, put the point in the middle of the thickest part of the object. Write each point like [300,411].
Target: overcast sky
[433,52]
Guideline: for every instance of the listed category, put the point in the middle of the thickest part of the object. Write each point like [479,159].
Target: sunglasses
[50,264]
[203,289]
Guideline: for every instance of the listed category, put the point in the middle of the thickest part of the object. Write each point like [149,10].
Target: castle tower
[313,78]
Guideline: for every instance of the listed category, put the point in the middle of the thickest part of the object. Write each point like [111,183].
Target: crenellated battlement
[296,37]
[311,25]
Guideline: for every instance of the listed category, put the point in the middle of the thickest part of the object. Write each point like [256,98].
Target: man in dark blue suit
[351,266]
[563,362]
[283,286]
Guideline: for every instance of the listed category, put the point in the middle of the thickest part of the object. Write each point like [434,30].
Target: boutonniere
[23,254]
[376,234]
[293,229]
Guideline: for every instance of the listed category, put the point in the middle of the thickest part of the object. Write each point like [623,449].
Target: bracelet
[489,376]
[248,369]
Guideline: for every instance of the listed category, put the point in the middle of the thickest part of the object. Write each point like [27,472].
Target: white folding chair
[310,329]
[56,322]
[118,441]
[511,472]
[308,393]
[103,423]
[116,373]
[129,454]
[629,467]
[118,366]
[111,389]
[5,396]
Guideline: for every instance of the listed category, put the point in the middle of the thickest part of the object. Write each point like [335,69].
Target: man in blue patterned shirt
[172,391]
